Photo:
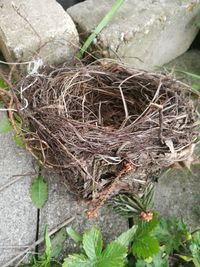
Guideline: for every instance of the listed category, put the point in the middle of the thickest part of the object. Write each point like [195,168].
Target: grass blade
[100,26]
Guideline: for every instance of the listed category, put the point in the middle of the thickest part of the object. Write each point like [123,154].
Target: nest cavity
[86,121]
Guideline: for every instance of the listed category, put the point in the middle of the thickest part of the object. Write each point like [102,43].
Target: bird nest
[100,122]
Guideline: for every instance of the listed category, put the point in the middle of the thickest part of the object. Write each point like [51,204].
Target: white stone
[154,32]
[32,29]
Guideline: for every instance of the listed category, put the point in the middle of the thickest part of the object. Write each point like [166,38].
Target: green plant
[94,255]
[39,192]
[53,249]
[131,205]
[148,244]
[103,23]
[156,243]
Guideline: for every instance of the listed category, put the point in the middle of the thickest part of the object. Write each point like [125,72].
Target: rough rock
[18,216]
[144,34]
[177,194]
[61,205]
[36,29]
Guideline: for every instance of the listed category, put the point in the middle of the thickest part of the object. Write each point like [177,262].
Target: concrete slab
[145,34]
[36,29]
[177,194]
[61,205]
[18,216]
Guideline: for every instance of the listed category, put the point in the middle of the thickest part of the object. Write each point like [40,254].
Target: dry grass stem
[87,121]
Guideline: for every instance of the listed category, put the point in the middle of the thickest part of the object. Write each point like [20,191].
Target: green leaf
[145,228]
[19,141]
[147,197]
[195,247]
[5,125]
[100,26]
[157,261]
[92,243]
[78,260]
[74,235]
[113,256]
[125,238]
[47,244]
[39,192]
[145,246]
[196,86]
[57,243]
[171,233]
[3,84]
[196,263]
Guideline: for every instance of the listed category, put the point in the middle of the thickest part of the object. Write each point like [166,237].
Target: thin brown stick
[38,242]
[103,198]
[17,178]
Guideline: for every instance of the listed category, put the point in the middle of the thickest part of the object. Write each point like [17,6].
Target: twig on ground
[17,178]
[38,242]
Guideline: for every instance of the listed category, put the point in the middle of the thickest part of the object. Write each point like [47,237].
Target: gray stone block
[62,205]
[36,29]
[177,194]
[145,34]
[18,216]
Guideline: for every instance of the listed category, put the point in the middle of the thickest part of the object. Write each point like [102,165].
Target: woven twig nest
[91,121]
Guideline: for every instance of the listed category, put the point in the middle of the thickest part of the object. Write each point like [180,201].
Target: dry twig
[87,120]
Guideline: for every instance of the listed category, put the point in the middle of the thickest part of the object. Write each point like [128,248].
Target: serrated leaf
[170,233]
[5,125]
[19,141]
[74,235]
[39,192]
[125,238]
[92,243]
[113,256]
[145,246]
[57,243]
[145,228]
[78,260]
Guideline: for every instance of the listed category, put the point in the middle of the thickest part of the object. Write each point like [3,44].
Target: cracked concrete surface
[17,214]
